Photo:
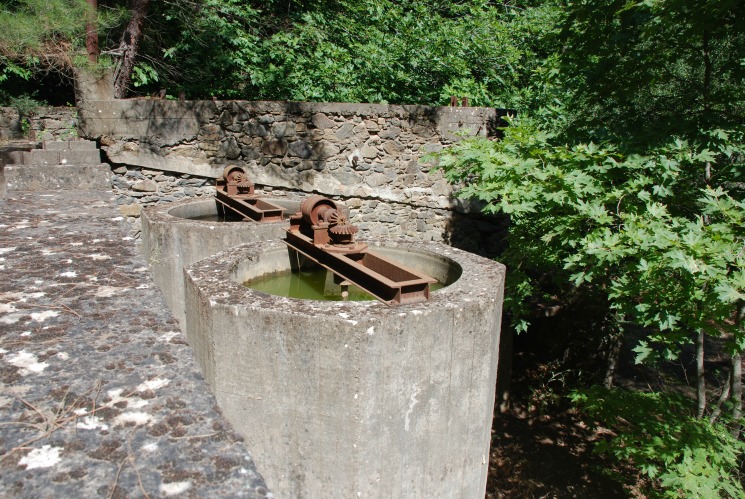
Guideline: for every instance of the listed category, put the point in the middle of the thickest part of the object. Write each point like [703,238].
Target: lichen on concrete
[100,393]
[358,398]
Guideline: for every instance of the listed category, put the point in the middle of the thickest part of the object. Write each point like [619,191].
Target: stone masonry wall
[138,187]
[44,123]
[368,156]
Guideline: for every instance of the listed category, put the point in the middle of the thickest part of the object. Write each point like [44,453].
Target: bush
[686,456]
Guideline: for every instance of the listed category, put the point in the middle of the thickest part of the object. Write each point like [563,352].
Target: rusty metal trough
[235,192]
[321,232]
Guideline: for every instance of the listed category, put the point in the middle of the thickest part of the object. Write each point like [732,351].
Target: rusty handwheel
[316,209]
[236,175]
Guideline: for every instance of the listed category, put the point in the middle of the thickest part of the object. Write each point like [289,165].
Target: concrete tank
[354,399]
[175,235]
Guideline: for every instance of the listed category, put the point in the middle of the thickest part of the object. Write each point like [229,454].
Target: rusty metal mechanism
[454,101]
[322,232]
[236,192]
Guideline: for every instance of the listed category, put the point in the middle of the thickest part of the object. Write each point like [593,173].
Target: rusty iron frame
[314,237]
[236,193]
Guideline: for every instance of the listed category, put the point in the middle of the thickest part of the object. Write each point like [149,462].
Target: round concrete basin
[178,234]
[354,399]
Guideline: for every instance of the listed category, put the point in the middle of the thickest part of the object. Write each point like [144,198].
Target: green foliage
[403,52]
[623,181]
[416,51]
[41,32]
[207,48]
[39,36]
[688,457]
[25,104]
[144,74]
[623,225]
[28,26]
[25,126]
[655,68]
[9,69]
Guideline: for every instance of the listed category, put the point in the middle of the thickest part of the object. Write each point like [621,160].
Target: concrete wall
[172,238]
[353,399]
[363,154]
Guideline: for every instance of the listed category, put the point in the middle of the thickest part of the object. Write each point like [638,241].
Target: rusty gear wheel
[344,230]
[336,217]
[234,174]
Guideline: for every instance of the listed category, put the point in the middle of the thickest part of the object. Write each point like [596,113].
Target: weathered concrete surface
[57,177]
[168,122]
[89,87]
[142,157]
[56,165]
[11,153]
[172,239]
[99,393]
[354,399]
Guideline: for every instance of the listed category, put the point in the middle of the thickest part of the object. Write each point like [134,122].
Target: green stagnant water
[214,217]
[227,217]
[315,284]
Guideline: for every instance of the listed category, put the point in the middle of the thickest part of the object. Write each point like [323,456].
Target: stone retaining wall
[44,123]
[366,155]
[138,187]
[351,150]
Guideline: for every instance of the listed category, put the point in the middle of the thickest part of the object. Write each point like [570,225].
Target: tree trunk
[707,72]
[129,46]
[701,380]
[91,33]
[723,397]
[736,383]
[615,340]
[700,375]
[736,378]
[504,370]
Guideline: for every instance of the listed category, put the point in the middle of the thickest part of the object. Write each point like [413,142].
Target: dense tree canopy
[415,51]
[354,51]
[655,69]
[622,175]
[624,184]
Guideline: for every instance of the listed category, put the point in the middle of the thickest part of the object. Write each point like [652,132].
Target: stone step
[13,157]
[57,177]
[69,145]
[83,145]
[80,157]
[55,145]
[58,165]
[42,157]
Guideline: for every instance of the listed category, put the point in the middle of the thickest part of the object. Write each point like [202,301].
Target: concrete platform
[99,392]
[57,177]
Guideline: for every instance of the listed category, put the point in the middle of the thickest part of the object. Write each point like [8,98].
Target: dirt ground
[542,448]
